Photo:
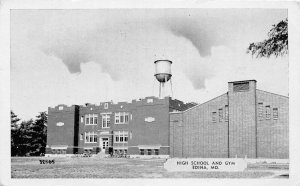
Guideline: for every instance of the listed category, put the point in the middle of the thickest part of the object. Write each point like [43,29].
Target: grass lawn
[95,167]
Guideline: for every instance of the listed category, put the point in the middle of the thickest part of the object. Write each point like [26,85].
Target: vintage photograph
[149,93]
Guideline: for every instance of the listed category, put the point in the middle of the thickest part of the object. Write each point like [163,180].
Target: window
[220,115]
[122,139]
[226,113]
[242,86]
[214,117]
[95,119]
[149,151]
[117,119]
[121,136]
[275,113]
[142,152]
[268,112]
[260,111]
[156,151]
[59,151]
[105,105]
[117,139]
[90,137]
[105,121]
[149,100]
[121,117]
[82,119]
[81,136]
[91,119]
[126,138]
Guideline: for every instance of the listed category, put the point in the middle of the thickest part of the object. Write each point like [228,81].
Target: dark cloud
[88,39]
[71,55]
[203,33]
[84,45]
[197,32]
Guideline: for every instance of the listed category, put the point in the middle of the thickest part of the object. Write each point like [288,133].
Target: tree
[276,44]
[25,138]
[28,137]
[14,120]
[14,132]
[39,134]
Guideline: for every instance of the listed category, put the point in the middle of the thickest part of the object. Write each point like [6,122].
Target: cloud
[113,39]
[198,79]
[71,55]
[116,42]
[201,35]
[112,53]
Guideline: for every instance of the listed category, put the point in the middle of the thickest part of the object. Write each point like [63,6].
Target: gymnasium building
[243,122]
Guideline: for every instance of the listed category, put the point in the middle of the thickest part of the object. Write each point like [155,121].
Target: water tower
[163,74]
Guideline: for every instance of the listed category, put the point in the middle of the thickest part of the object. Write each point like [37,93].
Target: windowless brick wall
[242,119]
[62,127]
[176,134]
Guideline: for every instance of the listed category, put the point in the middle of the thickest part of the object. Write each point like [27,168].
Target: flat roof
[163,60]
[242,81]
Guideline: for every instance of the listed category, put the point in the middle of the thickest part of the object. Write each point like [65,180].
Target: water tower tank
[163,70]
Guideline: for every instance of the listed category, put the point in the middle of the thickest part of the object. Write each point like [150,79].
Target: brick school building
[242,122]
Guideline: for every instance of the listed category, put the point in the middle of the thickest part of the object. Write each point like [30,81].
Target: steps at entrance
[101,154]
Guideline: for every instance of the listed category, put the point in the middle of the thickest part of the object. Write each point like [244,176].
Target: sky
[91,56]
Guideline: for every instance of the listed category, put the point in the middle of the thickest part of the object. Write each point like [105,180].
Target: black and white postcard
[144,93]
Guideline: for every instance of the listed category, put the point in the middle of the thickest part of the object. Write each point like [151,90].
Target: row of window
[222,115]
[149,151]
[91,137]
[119,137]
[267,112]
[121,117]
[59,151]
[92,119]
[119,152]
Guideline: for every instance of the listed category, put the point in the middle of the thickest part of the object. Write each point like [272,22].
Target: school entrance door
[104,144]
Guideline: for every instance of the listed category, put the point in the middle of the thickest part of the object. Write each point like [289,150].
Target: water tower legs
[171,88]
[160,90]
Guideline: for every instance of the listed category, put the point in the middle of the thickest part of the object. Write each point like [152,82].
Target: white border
[294,86]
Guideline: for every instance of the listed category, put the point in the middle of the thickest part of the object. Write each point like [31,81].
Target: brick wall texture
[62,135]
[206,131]
[273,134]
[242,122]
[176,135]
[148,126]
[201,136]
